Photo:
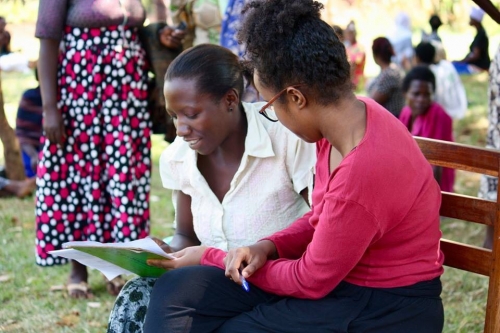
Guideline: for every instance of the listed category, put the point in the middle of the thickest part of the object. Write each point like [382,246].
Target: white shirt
[450,91]
[264,194]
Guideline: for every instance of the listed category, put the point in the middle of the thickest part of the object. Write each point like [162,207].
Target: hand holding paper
[190,256]
[113,259]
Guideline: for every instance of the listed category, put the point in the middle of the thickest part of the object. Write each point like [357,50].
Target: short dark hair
[420,73]
[288,44]
[338,31]
[382,48]
[435,22]
[425,52]
[215,69]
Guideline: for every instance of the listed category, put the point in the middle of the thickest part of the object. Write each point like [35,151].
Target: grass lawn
[33,298]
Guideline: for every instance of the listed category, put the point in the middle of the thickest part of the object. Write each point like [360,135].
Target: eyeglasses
[271,101]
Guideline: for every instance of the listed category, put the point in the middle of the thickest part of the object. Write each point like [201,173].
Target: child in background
[426,118]
[355,55]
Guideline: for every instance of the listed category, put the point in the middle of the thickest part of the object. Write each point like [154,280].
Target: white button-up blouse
[264,194]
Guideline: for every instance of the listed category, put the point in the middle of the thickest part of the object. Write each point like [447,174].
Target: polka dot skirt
[96,186]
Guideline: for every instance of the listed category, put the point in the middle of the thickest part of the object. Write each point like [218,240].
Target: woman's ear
[296,97]
[232,98]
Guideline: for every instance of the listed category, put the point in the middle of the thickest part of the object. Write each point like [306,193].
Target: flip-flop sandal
[79,290]
[115,286]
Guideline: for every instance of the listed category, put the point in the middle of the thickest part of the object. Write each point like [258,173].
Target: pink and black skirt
[96,185]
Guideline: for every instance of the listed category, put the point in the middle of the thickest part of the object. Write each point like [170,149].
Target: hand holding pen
[251,258]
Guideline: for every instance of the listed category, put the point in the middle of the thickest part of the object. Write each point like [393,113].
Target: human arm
[305,195]
[47,70]
[473,55]
[344,232]
[184,235]
[5,41]
[171,38]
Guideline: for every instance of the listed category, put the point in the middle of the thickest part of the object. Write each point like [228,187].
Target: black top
[481,42]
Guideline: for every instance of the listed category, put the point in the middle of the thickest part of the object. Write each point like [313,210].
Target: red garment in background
[434,124]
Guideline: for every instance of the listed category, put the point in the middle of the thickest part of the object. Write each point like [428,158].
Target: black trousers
[202,299]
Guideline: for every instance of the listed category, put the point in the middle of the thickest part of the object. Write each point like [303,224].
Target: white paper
[147,244]
[109,270]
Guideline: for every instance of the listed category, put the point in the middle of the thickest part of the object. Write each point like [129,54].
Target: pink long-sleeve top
[374,220]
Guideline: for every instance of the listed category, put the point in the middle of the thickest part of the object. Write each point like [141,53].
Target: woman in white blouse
[236,176]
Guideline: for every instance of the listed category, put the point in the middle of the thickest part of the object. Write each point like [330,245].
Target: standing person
[435,23]
[489,185]
[450,92]
[4,37]
[366,257]
[11,61]
[355,54]
[385,89]
[231,24]
[426,118]
[478,58]
[401,41]
[226,210]
[434,38]
[94,173]
[203,19]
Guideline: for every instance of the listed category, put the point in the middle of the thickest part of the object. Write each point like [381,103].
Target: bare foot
[114,286]
[77,283]
[27,187]
[21,188]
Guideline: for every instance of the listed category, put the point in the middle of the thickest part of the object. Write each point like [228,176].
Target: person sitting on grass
[426,118]
[236,176]
[478,58]
[28,131]
[366,257]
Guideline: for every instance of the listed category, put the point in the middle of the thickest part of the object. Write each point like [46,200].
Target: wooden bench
[471,209]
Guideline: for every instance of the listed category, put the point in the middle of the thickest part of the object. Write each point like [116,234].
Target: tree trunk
[11,148]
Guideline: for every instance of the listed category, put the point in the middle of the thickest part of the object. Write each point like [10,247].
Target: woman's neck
[233,147]
[385,65]
[343,123]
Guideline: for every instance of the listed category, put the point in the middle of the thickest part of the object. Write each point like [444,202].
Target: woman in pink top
[426,118]
[366,257]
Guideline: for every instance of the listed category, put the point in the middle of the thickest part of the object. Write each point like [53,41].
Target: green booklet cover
[132,260]
[114,259]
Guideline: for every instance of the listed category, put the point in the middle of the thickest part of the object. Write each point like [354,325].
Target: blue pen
[244,283]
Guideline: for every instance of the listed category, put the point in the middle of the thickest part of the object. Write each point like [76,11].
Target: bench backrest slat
[468,208]
[471,209]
